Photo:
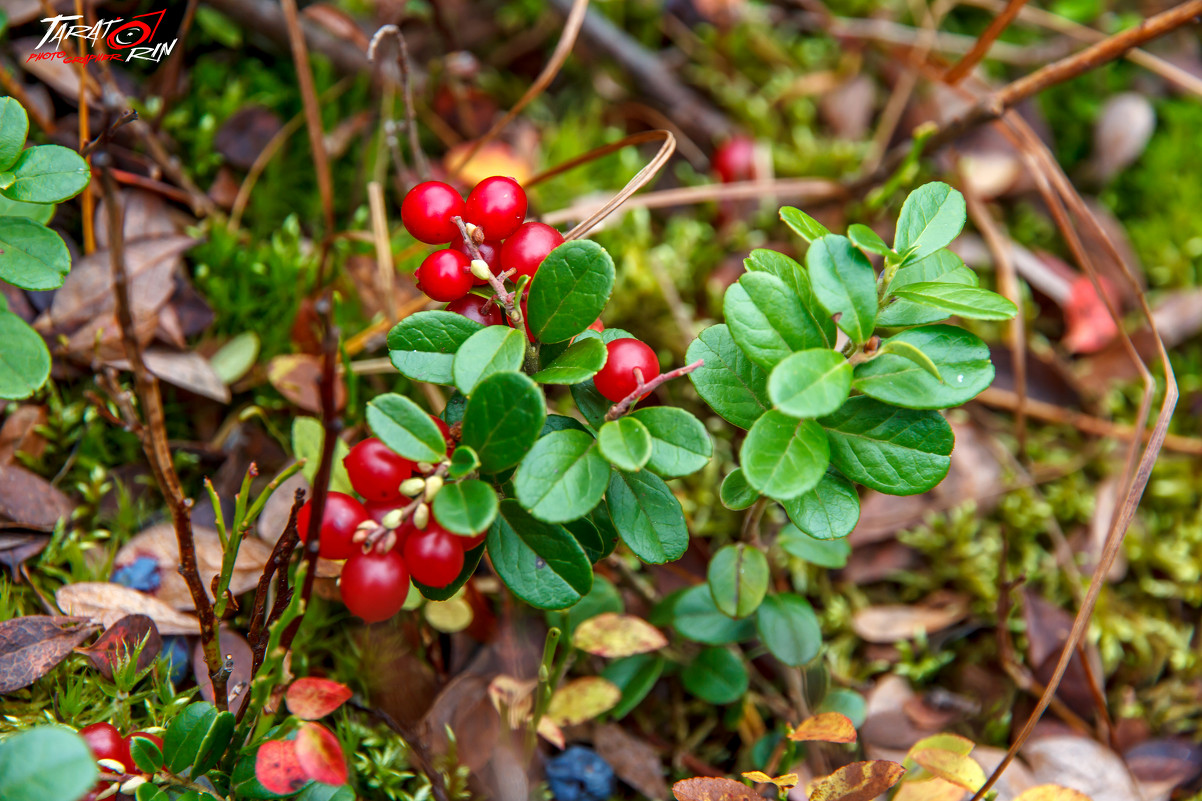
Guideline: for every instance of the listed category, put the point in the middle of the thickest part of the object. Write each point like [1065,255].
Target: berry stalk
[643,388]
[498,287]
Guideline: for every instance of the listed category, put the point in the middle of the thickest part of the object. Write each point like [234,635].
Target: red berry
[616,379]
[525,250]
[497,206]
[105,742]
[377,510]
[490,252]
[446,433]
[342,516]
[734,160]
[434,556]
[427,210]
[474,307]
[154,738]
[445,275]
[376,471]
[470,543]
[374,585]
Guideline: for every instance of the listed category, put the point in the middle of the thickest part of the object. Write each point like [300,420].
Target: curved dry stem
[641,179]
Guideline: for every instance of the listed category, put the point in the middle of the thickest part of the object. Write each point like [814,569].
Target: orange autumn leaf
[829,727]
[277,768]
[710,788]
[785,781]
[313,698]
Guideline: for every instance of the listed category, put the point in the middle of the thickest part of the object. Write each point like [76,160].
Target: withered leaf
[122,638]
[18,544]
[30,646]
[859,781]
[829,727]
[889,623]
[187,370]
[106,603]
[297,376]
[633,760]
[17,433]
[28,498]
[711,788]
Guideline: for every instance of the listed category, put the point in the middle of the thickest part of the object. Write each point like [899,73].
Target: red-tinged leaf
[120,639]
[278,769]
[710,788]
[312,698]
[1089,326]
[829,727]
[31,646]
[320,754]
[859,781]
[613,635]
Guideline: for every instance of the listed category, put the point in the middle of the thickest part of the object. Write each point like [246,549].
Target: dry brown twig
[981,49]
[304,77]
[415,146]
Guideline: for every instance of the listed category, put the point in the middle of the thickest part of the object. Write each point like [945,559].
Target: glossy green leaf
[316,791]
[830,553]
[579,362]
[969,302]
[147,755]
[592,404]
[586,533]
[796,279]
[845,284]
[494,349]
[151,792]
[735,492]
[541,563]
[767,320]
[961,358]
[569,291]
[562,477]
[868,240]
[463,461]
[196,738]
[502,420]
[738,579]
[782,456]
[45,762]
[31,255]
[48,174]
[889,449]
[942,266]
[803,224]
[729,381]
[908,350]
[24,358]
[423,345]
[647,516]
[697,618]
[236,358]
[406,428]
[466,507]
[625,443]
[829,511]
[14,128]
[635,676]
[38,212]
[810,383]
[716,676]
[789,629]
[680,445]
[932,216]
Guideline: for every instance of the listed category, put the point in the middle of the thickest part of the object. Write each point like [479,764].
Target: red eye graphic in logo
[134,33]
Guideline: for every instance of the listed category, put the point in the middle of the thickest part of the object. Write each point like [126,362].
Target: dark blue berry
[142,574]
[175,654]
[579,774]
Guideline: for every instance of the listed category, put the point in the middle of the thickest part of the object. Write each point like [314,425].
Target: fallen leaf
[186,370]
[28,498]
[1164,764]
[705,788]
[612,635]
[106,603]
[828,727]
[236,358]
[1087,321]
[464,706]
[312,698]
[959,769]
[785,782]
[892,623]
[633,760]
[320,754]
[848,109]
[274,517]
[1121,134]
[583,699]
[449,616]
[929,789]
[31,646]
[19,544]
[1048,628]
[278,769]
[297,376]
[120,639]
[1081,764]
[145,216]
[859,781]
[1052,792]
[512,697]
[17,435]
[231,646]
[245,133]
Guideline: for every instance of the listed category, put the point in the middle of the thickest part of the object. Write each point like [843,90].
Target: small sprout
[111,765]
[424,467]
[133,784]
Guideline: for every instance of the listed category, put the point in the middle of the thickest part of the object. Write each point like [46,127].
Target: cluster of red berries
[375,581]
[105,742]
[495,211]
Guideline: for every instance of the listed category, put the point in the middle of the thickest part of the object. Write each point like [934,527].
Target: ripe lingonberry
[446,433]
[734,160]
[490,253]
[427,210]
[445,275]
[525,250]
[474,307]
[433,555]
[105,742]
[374,585]
[469,543]
[376,471]
[342,516]
[616,379]
[497,206]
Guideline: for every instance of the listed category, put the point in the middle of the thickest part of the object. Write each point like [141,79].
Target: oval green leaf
[829,511]
[845,284]
[423,345]
[647,516]
[48,174]
[716,676]
[735,492]
[502,420]
[810,383]
[679,442]
[738,579]
[625,443]
[541,563]
[889,449]
[943,266]
[831,554]
[961,358]
[24,358]
[795,277]
[45,762]
[562,477]
[803,224]
[14,128]
[569,291]
[465,507]
[579,362]
[767,320]
[932,216]
[729,381]
[969,302]
[495,349]
[782,456]
[31,255]
[789,628]
[697,618]
[634,676]
[406,428]
[868,240]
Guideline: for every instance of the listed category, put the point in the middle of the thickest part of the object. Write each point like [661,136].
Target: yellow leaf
[450,616]
[582,700]
[829,727]
[956,768]
[785,782]
[859,781]
[928,788]
[551,733]
[514,695]
[1052,792]
[612,635]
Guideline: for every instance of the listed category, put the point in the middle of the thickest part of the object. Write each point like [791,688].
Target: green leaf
[625,443]
[579,362]
[45,762]
[423,345]
[592,404]
[463,461]
[562,477]
[942,266]
[697,618]
[495,349]
[831,553]
[969,302]
[738,579]
[307,439]
[24,358]
[38,212]
[466,507]
[803,224]
[735,492]
[729,382]
[316,791]
[891,450]
[679,442]
[845,284]
[146,754]
[647,516]
[796,279]
[502,420]
[961,358]
[48,174]
[586,533]
[767,320]
[197,738]
[867,239]
[782,456]
[540,562]
[470,560]
[789,628]
[635,676]
[406,428]
[570,290]
[829,511]
[810,383]
[14,128]
[150,792]
[236,358]
[848,703]
[908,350]
[716,676]
[931,218]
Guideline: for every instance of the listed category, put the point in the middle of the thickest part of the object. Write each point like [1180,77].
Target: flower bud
[421,517]
[480,269]
[393,518]
[133,784]
[413,486]
[433,485]
[111,765]
[424,467]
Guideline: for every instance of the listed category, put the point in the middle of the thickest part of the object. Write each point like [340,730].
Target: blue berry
[175,654]
[142,574]
[579,774]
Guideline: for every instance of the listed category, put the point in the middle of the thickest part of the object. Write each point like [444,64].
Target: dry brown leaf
[465,707]
[187,370]
[1081,764]
[245,133]
[31,646]
[890,623]
[122,638]
[29,499]
[1123,129]
[859,781]
[274,517]
[706,788]
[18,435]
[18,545]
[146,216]
[633,760]
[106,603]
[297,376]
[848,109]
[828,727]
[1162,765]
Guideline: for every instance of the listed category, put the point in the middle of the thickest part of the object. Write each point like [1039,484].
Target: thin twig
[260,620]
[304,76]
[979,50]
[644,388]
[506,298]
[415,146]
